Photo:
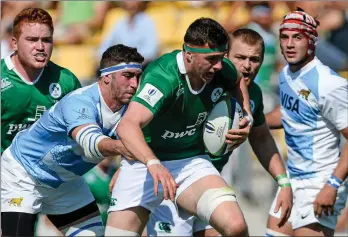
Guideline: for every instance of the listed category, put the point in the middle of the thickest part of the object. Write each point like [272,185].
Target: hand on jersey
[161,174]
[284,202]
[325,201]
[235,137]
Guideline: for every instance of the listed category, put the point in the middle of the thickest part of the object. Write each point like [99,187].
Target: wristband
[283,180]
[334,181]
[250,119]
[152,162]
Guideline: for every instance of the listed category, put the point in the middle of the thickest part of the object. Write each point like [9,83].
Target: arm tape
[88,138]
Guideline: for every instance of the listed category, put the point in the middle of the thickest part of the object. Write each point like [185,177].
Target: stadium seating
[187,16]
[165,19]
[80,59]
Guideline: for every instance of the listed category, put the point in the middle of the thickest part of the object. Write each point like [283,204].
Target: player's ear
[108,78]
[14,44]
[189,56]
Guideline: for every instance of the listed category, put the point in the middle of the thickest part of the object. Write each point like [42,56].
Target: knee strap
[211,199]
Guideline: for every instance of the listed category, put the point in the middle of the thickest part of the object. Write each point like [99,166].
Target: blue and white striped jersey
[314,106]
[47,151]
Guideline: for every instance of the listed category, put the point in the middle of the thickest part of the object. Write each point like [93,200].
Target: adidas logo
[5,84]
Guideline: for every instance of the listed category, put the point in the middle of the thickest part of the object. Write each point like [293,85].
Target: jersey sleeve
[259,116]
[155,92]
[77,111]
[335,107]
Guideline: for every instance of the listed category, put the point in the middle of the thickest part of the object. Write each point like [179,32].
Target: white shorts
[134,186]
[165,221]
[22,193]
[305,192]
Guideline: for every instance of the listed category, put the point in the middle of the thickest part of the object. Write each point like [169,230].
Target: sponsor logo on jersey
[83,113]
[289,102]
[216,94]
[164,227]
[180,92]
[5,84]
[150,94]
[304,93]
[113,202]
[175,135]
[190,129]
[55,90]
[17,202]
[201,118]
[14,128]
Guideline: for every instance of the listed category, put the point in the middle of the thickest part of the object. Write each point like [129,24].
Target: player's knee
[211,199]
[235,227]
[112,231]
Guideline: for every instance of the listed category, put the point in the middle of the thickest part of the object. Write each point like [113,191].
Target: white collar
[304,69]
[181,64]
[182,70]
[10,65]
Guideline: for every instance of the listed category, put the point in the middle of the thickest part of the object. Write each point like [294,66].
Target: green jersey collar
[10,66]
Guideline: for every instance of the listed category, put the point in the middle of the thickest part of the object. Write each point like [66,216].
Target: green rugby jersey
[256,106]
[22,102]
[176,131]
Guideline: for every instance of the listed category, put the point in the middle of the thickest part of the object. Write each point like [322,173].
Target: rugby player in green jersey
[30,82]
[176,94]
[246,53]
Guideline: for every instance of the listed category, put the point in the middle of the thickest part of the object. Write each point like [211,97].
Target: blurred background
[85,29]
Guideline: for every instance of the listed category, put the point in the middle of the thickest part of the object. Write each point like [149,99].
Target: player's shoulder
[328,80]
[165,69]
[87,94]
[63,72]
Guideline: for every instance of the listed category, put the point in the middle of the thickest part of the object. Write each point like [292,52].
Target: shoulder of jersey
[165,65]
[55,67]
[225,115]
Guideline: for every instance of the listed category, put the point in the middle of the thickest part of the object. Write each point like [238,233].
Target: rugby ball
[226,114]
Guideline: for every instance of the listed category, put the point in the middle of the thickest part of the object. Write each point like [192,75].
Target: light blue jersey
[314,106]
[47,151]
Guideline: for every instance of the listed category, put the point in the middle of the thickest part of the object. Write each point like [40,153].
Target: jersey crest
[55,90]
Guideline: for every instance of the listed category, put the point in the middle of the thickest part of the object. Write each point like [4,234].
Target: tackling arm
[96,146]
[131,135]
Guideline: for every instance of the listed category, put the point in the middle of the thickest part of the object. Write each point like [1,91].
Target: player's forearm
[266,151]
[341,170]
[132,138]
[110,147]
[274,119]
[242,95]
